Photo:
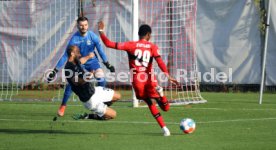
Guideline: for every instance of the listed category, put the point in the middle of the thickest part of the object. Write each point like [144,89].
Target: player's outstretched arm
[163,67]
[103,56]
[109,43]
[60,63]
[99,47]
[105,39]
[84,59]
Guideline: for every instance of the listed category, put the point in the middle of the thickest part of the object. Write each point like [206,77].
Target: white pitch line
[206,108]
[245,109]
[237,120]
[138,122]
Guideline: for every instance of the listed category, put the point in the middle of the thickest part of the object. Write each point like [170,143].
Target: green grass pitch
[227,122]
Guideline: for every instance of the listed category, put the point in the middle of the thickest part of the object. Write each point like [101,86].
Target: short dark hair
[70,50]
[144,29]
[81,19]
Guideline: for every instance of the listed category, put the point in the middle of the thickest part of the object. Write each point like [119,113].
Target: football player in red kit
[141,54]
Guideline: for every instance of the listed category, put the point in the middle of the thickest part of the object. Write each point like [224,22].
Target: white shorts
[96,102]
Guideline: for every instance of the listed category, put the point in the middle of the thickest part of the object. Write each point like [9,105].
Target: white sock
[159,89]
[166,131]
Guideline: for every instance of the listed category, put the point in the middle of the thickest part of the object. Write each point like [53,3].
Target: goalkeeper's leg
[99,75]
[101,82]
[66,96]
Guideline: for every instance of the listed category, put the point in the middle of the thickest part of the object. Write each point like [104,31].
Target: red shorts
[145,89]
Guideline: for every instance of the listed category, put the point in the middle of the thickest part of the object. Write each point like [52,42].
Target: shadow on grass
[30,131]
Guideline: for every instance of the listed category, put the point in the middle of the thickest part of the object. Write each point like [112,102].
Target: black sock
[95,116]
[108,103]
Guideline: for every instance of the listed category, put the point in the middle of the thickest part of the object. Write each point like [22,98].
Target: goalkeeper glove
[110,67]
[51,75]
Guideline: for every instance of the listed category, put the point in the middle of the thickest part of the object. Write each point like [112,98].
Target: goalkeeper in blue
[86,41]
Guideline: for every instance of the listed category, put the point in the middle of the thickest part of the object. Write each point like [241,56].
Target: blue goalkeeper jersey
[86,45]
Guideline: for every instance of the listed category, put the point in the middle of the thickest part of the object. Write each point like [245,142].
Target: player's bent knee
[116,96]
[110,113]
[114,115]
[166,108]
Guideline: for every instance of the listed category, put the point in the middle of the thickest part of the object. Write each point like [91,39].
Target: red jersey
[140,54]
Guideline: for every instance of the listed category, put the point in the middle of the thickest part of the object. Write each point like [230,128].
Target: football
[187,125]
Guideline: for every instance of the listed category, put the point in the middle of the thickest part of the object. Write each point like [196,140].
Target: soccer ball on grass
[187,125]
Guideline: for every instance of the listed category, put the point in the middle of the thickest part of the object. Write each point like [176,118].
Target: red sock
[165,104]
[156,114]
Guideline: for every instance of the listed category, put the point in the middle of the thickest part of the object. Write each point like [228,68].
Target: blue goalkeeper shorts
[92,65]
